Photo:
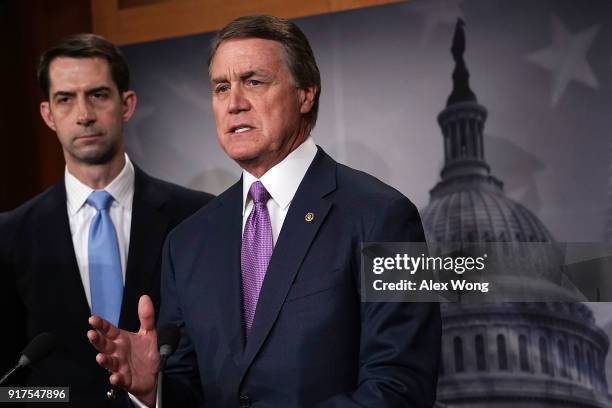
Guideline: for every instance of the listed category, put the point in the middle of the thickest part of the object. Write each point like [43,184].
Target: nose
[85,113]
[238,102]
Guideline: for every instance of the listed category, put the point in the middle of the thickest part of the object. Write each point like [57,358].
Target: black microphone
[39,348]
[168,336]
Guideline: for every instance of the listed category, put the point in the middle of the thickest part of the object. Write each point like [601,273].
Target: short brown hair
[300,58]
[85,45]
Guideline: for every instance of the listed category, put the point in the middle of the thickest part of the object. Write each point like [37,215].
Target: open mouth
[240,129]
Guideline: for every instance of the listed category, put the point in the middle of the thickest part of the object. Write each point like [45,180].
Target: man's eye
[254,82]
[100,95]
[221,88]
[63,99]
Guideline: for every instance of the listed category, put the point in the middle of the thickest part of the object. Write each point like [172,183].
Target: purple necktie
[256,251]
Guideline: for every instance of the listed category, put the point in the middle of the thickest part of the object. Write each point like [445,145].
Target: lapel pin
[309,217]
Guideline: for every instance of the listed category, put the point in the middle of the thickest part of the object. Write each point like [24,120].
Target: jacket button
[110,394]
[245,401]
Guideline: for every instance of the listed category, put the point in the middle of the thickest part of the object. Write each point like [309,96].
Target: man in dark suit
[63,257]
[265,282]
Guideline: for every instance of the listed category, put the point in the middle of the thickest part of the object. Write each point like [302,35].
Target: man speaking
[265,281]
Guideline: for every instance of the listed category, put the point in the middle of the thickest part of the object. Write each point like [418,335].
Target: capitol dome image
[505,354]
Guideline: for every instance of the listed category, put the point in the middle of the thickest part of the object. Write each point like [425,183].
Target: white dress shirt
[281,181]
[80,215]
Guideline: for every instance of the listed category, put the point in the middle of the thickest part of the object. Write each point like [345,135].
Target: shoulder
[360,183]
[25,220]
[366,193]
[175,202]
[49,199]
[215,211]
[171,190]
[373,208]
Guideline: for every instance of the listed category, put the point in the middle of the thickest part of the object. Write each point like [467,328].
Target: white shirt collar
[121,188]
[283,180]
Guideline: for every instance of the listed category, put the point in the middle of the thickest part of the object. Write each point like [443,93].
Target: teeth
[242,129]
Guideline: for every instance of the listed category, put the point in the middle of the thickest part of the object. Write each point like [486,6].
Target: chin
[242,154]
[96,156]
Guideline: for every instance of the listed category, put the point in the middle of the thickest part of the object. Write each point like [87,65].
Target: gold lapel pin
[309,217]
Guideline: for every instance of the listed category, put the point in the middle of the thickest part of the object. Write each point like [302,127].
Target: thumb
[146,313]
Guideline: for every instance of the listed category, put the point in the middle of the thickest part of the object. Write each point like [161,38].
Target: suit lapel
[56,241]
[292,245]
[224,259]
[147,234]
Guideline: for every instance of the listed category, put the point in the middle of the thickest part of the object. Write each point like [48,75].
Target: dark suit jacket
[45,292]
[313,342]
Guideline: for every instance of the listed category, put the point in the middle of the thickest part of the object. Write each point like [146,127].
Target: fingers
[146,313]
[119,380]
[119,375]
[104,327]
[103,335]
[101,342]
[109,362]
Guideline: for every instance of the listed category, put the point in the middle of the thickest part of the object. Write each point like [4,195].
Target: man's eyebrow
[255,72]
[247,74]
[243,75]
[63,93]
[218,79]
[102,88]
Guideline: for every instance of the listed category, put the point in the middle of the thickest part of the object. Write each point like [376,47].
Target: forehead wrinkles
[271,59]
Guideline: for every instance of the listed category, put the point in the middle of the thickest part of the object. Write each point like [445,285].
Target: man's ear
[128,99]
[45,112]
[307,97]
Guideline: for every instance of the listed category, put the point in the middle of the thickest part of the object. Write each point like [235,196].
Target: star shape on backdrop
[566,58]
[436,13]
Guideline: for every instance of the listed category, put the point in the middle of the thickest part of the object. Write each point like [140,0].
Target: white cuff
[158,403]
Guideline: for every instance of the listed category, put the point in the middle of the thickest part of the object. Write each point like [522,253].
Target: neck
[97,176]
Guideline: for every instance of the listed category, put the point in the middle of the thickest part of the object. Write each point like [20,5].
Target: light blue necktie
[105,276]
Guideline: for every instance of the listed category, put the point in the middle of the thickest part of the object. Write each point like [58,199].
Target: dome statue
[518,354]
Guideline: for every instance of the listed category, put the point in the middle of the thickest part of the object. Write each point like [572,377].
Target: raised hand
[131,358]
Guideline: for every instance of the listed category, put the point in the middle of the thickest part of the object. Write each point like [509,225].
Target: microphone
[168,336]
[36,350]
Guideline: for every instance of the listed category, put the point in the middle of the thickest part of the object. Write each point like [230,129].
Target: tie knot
[258,193]
[100,200]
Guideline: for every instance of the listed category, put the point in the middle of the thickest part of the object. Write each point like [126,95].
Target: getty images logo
[411,264]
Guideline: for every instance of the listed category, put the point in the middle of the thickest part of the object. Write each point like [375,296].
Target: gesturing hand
[131,358]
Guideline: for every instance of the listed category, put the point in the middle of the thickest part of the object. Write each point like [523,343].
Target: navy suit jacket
[313,342]
[42,289]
